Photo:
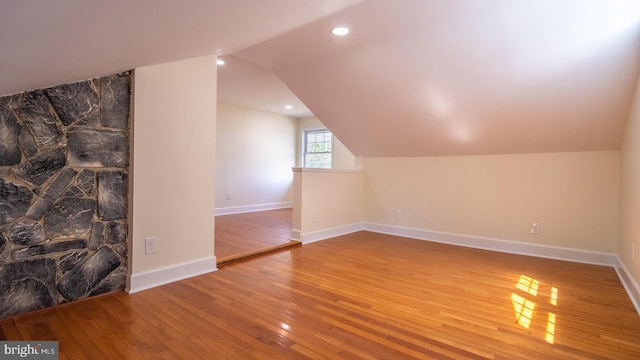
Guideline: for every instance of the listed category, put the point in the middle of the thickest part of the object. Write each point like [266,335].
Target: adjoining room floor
[238,236]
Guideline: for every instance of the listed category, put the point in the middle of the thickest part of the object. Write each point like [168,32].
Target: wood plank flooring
[359,296]
[238,236]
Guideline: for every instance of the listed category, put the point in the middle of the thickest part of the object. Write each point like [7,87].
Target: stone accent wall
[64,158]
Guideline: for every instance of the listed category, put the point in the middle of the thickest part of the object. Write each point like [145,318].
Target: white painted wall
[573,196]
[254,157]
[342,158]
[173,176]
[328,203]
[630,192]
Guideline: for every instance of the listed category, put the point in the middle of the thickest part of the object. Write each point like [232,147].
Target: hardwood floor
[359,296]
[238,236]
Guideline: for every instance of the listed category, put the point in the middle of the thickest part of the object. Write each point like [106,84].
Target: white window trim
[304,146]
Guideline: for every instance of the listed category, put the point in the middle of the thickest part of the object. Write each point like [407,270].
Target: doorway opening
[245,235]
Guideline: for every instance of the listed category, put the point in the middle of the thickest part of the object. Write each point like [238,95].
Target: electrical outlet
[150,245]
[397,214]
[535,229]
[229,196]
[633,252]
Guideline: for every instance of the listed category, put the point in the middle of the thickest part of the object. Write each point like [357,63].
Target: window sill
[304,169]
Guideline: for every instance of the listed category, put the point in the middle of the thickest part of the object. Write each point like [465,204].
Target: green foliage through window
[317,149]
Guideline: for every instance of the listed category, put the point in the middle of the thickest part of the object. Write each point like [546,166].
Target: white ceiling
[413,78]
[245,83]
[49,42]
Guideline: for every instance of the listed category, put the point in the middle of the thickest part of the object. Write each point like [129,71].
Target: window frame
[305,153]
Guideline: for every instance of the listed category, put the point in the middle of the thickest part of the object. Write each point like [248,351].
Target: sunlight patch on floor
[524,308]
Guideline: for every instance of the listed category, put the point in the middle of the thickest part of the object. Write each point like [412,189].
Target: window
[317,149]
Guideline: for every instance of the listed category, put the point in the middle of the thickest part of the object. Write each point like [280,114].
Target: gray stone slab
[48,248]
[74,101]
[42,166]
[27,143]
[11,101]
[69,261]
[91,147]
[35,112]
[115,233]
[57,186]
[26,286]
[70,217]
[5,254]
[26,232]
[80,281]
[92,120]
[121,250]
[113,188]
[50,194]
[97,232]
[39,208]
[115,91]
[86,180]
[74,191]
[14,201]
[10,153]
[115,281]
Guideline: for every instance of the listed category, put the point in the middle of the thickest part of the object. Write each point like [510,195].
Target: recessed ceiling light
[340,31]
[288,107]
[220,62]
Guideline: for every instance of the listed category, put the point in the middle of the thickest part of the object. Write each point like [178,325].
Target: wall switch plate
[150,245]
[535,229]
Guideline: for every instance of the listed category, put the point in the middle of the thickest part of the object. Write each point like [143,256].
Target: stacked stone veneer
[64,157]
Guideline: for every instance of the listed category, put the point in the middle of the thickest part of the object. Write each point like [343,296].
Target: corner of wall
[629,212]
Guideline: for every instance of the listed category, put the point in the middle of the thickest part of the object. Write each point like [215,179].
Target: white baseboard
[252,208]
[296,234]
[149,279]
[507,246]
[168,274]
[629,283]
[514,247]
[313,236]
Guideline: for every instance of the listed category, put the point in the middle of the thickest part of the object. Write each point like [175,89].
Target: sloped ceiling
[413,78]
[245,83]
[416,78]
[50,42]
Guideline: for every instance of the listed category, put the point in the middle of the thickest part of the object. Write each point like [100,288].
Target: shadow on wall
[64,158]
